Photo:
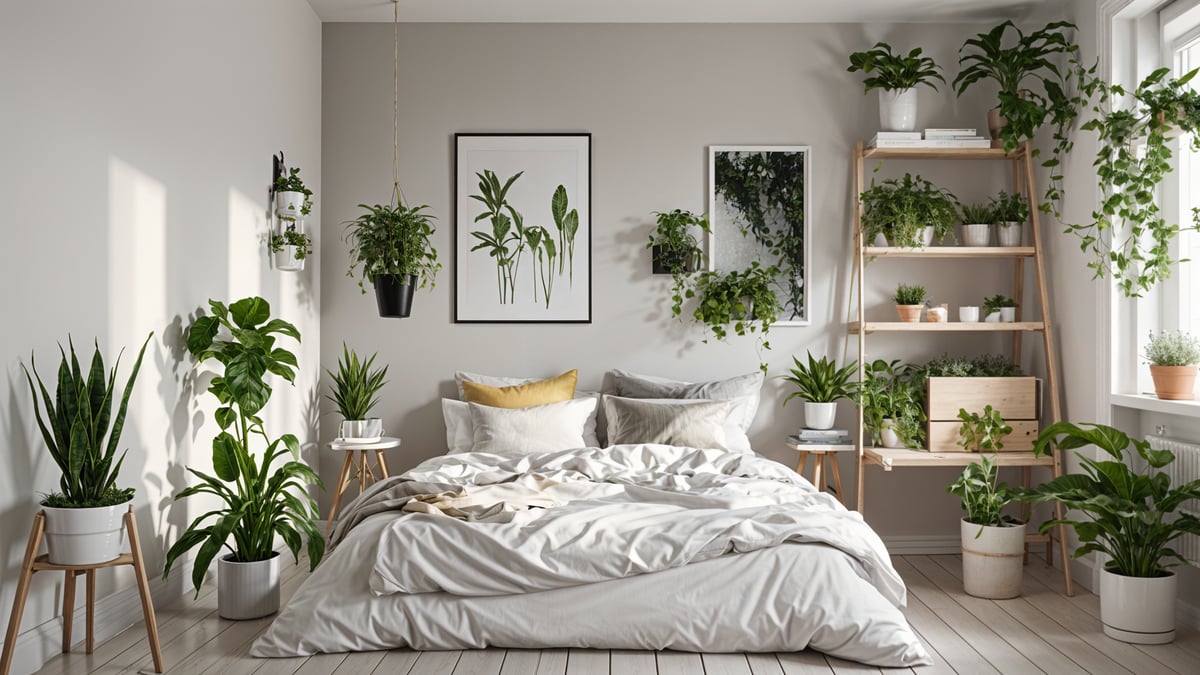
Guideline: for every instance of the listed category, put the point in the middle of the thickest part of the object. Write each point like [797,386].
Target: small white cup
[968,314]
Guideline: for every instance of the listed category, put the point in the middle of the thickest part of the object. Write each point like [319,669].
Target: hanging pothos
[1129,238]
[742,301]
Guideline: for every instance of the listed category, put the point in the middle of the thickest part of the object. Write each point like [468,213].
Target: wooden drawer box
[1015,398]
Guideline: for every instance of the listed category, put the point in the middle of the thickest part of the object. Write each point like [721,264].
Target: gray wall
[653,97]
[137,141]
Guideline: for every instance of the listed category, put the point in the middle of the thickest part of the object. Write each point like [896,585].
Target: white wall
[137,141]
[653,97]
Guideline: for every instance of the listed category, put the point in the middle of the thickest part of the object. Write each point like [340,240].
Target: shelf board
[950,252]
[939,153]
[945,327]
[889,458]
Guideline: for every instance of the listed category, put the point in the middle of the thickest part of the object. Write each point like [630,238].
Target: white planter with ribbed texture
[898,109]
[1138,609]
[1009,234]
[85,536]
[247,590]
[992,560]
[976,234]
[362,431]
[819,415]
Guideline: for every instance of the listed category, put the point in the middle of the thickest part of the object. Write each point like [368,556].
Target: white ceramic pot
[290,204]
[247,590]
[1138,609]
[993,317]
[992,560]
[927,236]
[976,234]
[1008,314]
[85,536]
[819,415]
[879,240]
[898,109]
[368,430]
[888,436]
[968,314]
[286,260]
[1009,234]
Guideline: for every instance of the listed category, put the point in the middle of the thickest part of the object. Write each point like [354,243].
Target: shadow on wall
[23,461]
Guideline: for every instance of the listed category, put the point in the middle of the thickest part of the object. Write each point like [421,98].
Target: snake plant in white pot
[821,384]
[355,392]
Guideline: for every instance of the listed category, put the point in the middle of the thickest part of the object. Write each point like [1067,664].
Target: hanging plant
[741,301]
[1129,238]
[676,251]
[290,237]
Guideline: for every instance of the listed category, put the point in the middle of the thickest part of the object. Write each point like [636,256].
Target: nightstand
[822,452]
[363,470]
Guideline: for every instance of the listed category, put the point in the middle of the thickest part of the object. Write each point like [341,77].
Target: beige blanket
[496,503]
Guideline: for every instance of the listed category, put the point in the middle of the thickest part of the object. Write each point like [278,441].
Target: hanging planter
[290,247]
[293,199]
[394,294]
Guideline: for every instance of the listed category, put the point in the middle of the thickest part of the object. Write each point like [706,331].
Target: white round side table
[363,469]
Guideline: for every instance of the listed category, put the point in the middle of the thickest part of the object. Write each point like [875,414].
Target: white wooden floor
[1042,631]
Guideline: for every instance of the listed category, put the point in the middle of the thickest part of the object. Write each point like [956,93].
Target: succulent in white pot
[897,77]
[1009,213]
[977,225]
[355,392]
[820,383]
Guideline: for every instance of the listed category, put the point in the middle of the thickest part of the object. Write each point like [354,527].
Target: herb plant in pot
[355,392]
[896,76]
[999,309]
[291,247]
[1132,518]
[907,212]
[820,383]
[891,404]
[909,302]
[292,196]
[263,496]
[977,225]
[993,544]
[393,244]
[84,518]
[1009,213]
[1173,358]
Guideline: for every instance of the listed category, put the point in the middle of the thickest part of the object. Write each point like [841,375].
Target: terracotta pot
[1174,383]
[910,313]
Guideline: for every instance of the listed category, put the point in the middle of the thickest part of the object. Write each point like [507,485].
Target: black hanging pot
[394,294]
[663,260]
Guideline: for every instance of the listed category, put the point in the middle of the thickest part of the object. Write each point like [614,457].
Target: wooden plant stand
[39,563]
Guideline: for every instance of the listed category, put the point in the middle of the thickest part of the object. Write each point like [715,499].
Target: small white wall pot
[289,204]
[1008,314]
[286,260]
[1009,234]
[363,431]
[819,415]
[992,561]
[976,234]
[1140,610]
[898,109]
[968,314]
[888,436]
[1174,383]
[85,536]
[247,590]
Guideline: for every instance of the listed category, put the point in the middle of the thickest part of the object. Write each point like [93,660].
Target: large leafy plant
[393,239]
[820,380]
[887,394]
[900,209]
[80,432]
[1131,513]
[894,71]
[356,384]
[261,496]
[983,498]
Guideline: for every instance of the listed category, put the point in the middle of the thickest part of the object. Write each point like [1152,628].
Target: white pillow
[590,433]
[736,439]
[745,388]
[460,431]
[526,431]
[683,422]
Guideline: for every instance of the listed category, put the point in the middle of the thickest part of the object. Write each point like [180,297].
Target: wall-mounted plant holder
[290,246]
[664,261]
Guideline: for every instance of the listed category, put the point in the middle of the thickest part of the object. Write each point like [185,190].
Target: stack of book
[932,138]
[822,437]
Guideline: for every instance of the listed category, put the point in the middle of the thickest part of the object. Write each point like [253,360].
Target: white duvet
[649,547]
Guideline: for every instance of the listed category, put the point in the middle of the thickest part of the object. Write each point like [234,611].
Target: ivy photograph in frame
[522,228]
[758,205]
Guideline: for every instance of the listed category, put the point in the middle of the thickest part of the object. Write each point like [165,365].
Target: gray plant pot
[247,590]
[368,430]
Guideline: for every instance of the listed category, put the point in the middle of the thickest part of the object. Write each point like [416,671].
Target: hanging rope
[396,102]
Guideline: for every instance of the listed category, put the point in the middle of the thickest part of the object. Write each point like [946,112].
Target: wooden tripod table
[821,453]
[41,563]
[364,473]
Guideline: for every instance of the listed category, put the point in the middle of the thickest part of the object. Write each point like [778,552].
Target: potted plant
[891,406]
[909,211]
[1129,238]
[896,76]
[909,302]
[393,243]
[993,544]
[1173,358]
[743,301]
[999,308]
[1132,518]
[292,196]
[676,251]
[261,497]
[355,392]
[980,432]
[1009,213]
[950,384]
[84,517]
[820,383]
[291,248]
[977,225]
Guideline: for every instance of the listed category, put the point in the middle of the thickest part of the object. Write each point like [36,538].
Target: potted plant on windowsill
[1009,213]
[999,309]
[393,243]
[1132,518]
[355,392]
[907,212]
[896,76]
[291,247]
[675,250]
[292,196]
[261,497]
[891,406]
[741,301]
[977,225]
[993,544]
[1173,358]
[820,383]
[83,518]
[909,302]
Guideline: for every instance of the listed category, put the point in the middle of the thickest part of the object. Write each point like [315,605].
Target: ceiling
[685,11]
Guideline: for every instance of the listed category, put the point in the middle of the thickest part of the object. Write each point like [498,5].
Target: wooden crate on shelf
[1015,398]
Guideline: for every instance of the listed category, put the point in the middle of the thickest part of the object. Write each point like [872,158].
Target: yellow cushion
[553,390]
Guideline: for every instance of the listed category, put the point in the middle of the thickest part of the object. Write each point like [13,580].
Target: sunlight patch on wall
[246,240]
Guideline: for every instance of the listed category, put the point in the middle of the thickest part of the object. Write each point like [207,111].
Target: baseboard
[114,613]
[923,544]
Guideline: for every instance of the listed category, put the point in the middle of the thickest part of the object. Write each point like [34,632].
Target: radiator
[1186,467]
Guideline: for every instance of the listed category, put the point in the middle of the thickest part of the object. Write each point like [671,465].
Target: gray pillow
[747,387]
[692,424]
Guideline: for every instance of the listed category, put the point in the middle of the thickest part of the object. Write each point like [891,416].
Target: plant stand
[40,563]
[362,471]
[822,454]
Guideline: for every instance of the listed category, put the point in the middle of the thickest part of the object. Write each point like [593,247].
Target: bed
[524,543]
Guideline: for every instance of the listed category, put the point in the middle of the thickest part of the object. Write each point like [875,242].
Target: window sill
[1151,403]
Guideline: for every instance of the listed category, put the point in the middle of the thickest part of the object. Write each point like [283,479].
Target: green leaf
[250,312]
[225,457]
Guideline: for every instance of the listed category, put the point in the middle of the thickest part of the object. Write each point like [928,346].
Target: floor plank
[844,667]
[679,663]
[322,664]
[426,663]
[630,662]
[480,662]
[552,662]
[359,663]
[725,664]
[806,662]
[764,664]
[587,662]
[520,662]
